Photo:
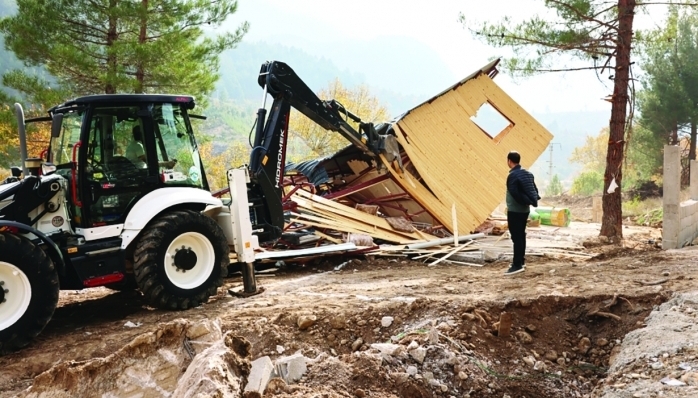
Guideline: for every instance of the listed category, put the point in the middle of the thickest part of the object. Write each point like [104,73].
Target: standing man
[521,194]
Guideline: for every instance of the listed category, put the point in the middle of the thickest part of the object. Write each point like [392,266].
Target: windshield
[62,146]
[176,146]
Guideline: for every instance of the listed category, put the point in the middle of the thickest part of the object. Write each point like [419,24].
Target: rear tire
[29,291]
[180,260]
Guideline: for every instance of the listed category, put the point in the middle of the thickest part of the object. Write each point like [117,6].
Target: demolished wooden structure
[459,162]
[451,172]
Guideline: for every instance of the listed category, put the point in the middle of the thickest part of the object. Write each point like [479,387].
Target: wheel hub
[185,259]
[190,259]
[15,294]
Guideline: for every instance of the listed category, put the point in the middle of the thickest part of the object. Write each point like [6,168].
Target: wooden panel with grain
[456,159]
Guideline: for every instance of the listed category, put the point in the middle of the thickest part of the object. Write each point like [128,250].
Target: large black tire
[161,271]
[27,275]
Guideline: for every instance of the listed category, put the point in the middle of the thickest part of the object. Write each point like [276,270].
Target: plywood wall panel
[459,162]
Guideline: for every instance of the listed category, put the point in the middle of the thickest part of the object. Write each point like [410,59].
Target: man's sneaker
[514,270]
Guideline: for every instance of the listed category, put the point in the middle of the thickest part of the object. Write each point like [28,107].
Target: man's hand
[169,164]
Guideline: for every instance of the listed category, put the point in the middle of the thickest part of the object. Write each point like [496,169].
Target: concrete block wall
[680,222]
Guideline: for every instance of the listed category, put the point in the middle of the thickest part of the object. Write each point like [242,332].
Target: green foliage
[229,120]
[632,206]
[555,187]
[149,46]
[592,155]
[643,156]
[647,212]
[670,82]
[651,218]
[587,183]
[582,29]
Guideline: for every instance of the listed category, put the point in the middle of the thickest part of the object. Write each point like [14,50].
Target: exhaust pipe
[19,112]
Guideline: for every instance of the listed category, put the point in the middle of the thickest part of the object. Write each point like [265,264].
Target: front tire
[180,260]
[28,291]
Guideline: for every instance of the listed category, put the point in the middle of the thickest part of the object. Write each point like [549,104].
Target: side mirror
[56,124]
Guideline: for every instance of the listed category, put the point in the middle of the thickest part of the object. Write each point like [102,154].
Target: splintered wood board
[457,161]
[321,212]
[338,222]
[383,189]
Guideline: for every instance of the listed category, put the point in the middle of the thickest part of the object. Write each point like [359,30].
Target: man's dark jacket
[522,187]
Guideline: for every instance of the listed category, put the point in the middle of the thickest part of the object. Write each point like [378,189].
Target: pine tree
[110,46]
[665,104]
[555,187]
[600,34]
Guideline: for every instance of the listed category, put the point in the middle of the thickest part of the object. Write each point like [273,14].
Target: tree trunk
[140,71]
[692,150]
[675,133]
[111,74]
[612,223]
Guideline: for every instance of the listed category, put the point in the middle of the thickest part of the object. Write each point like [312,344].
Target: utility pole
[550,169]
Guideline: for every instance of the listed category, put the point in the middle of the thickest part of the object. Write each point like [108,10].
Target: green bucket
[558,217]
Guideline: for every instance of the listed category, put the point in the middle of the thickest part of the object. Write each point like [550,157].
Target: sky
[444,51]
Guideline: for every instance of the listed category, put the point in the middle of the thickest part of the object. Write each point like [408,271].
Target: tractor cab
[114,149]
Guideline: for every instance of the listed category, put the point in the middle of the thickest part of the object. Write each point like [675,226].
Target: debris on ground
[177,359]
[643,368]
[428,190]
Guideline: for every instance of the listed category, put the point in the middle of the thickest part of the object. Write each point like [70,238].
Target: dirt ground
[569,318]
[554,306]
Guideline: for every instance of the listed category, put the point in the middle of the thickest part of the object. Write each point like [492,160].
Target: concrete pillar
[596,209]
[694,180]
[671,222]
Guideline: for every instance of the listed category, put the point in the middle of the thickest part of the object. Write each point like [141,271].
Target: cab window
[178,155]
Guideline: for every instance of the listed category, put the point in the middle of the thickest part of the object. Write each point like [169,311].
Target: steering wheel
[96,167]
[121,165]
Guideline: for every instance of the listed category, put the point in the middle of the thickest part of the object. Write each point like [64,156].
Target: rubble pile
[177,359]
[429,349]
[443,176]
[657,360]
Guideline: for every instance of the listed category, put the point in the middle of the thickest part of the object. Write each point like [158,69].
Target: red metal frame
[220,192]
[358,187]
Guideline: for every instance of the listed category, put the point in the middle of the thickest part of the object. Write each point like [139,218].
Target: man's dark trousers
[517,229]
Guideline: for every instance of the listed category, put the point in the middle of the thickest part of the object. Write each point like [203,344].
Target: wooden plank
[345,229]
[346,226]
[473,175]
[464,263]
[452,252]
[322,204]
[330,238]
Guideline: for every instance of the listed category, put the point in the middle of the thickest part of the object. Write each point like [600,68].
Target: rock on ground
[670,337]
[219,371]
[150,365]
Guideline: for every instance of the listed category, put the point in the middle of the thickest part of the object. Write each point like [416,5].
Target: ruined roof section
[489,70]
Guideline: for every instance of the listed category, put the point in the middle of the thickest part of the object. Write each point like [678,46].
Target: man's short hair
[514,157]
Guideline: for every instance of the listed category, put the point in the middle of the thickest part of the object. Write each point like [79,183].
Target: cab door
[113,181]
